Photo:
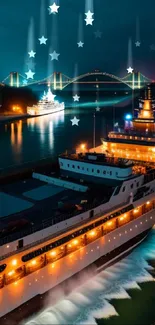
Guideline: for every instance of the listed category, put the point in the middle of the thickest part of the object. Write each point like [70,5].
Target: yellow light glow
[69,245]
[93,233]
[135,210]
[11,273]
[34,262]
[109,223]
[53,253]
[14,262]
[75,242]
[121,218]
[16,108]
[148,202]
[83,146]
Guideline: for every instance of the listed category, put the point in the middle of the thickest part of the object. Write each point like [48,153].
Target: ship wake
[92,299]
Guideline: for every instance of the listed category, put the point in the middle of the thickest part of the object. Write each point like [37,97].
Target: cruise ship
[94,212]
[47,105]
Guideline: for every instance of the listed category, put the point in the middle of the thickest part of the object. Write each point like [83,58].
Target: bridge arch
[129,84]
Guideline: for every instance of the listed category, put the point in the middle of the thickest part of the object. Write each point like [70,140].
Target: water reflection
[44,125]
[36,138]
[16,135]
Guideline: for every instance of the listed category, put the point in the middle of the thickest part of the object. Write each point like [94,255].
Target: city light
[17,109]
[128,117]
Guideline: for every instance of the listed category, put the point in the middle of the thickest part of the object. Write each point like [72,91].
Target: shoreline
[12,118]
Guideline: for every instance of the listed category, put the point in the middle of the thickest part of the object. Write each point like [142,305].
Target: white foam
[120,294]
[131,285]
[88,301]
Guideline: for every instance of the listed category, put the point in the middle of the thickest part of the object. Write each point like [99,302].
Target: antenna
[94,134]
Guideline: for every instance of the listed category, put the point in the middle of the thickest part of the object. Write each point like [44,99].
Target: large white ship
[47,105]
[97,211]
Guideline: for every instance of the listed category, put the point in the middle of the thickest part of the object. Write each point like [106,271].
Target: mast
[94,133]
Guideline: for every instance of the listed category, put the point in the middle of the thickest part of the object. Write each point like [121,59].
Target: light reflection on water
[40,137]
[92,300]
[29,139]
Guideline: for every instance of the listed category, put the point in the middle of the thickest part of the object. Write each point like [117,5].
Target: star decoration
[30,74]
[54,55]
[54,8]
[97,109]
[89,18]
[89,14]
[152,47]
[80,44]
[50,96]
[76,98]
[98,34]
[32,54]
[75,121]
[89,21]
[130,70]
[42,40]
[137,43]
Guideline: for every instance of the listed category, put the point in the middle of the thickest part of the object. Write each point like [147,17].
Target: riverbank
[12,118]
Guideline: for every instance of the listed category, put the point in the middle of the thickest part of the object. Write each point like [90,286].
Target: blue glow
[128,117]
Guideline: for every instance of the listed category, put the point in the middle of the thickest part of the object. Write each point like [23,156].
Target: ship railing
[47,223]
[50,222]
[34,229]
[109,160]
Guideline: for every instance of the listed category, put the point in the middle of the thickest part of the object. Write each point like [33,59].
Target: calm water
[36,138]
[93,299]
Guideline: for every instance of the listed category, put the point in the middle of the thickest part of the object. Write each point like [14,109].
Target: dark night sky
[115,18]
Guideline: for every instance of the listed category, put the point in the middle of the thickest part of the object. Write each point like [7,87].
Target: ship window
[123,190]
[82,168]
[73,166]
[92,170]
[78,167]
[116,173]
[137,184]
[110,172]
[131,185]
[87,169]
[117,190]
[2,267]
[98,171]
[68,165]
[104,172]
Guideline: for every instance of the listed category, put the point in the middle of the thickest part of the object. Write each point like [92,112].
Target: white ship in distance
[47,105]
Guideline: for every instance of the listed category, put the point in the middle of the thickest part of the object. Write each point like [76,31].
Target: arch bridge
[59,81]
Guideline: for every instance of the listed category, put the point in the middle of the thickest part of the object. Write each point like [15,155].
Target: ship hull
[31,291]
[46,113]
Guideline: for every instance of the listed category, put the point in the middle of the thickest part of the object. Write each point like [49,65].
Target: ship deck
[42,205]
